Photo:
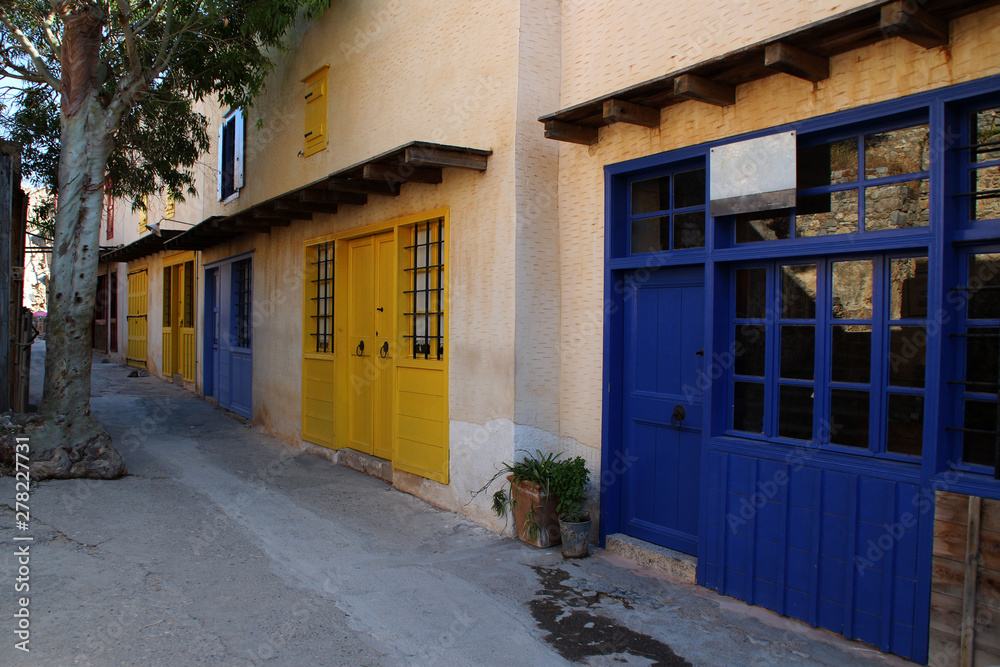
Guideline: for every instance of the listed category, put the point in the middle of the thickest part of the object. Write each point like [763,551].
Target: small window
[316,104]
[230,175]
[144,215]
[426,292]
[668,212]
[170,209]
[982,166]
[242,301]
[322,296]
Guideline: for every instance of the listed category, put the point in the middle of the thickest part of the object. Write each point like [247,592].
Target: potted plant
[528,497]
[569,484]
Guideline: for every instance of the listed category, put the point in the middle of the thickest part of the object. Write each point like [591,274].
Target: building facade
[744,266]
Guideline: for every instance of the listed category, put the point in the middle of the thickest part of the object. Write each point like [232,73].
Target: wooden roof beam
[784,57]
[425,156]
[327,197]
[620,111]
[913,23]
[576,134]
[402,173]
[692,87]
[298,205]
[362,186]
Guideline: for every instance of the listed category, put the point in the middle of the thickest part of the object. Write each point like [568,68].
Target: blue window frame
[668,210]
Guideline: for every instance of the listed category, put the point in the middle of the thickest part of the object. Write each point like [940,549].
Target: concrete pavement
[227,546]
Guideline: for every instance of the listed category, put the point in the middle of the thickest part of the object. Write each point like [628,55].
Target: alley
[228,546]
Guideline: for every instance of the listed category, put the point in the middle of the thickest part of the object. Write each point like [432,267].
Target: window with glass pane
[981,338]
[840,359]
[983,165]
[866,182]
[322,296]
[668,212]
[426,293]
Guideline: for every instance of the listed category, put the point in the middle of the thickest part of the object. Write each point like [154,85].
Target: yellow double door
[371,343]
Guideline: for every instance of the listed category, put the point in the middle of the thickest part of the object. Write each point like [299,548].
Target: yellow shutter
[316,103]
[171,209]
[144,215]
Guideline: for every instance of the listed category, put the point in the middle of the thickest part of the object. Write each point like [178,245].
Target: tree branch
[31,51]
[125,18]
[48,27]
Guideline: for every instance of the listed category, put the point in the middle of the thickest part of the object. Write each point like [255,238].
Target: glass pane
[986,130]
[986,183]
[828,164]
[748,407]
[831,213]
[798,291]
[906,424]
[795,412]
[651,195]
[908,288]
[849,417]
[897,206]
[852,353]
[798,352]
[984,271]
[897,152]
[852,290]
[650,234]
[765,226]
[979,448]
[981,359]
[751,293]
[689,188]
[750,349]
[689,230]
[907,351]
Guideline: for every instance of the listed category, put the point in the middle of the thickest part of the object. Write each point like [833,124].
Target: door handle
[679,414]
[385,350]
[360,351]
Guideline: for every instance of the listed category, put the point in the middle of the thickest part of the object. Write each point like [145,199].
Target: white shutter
[218,173]
[238,150]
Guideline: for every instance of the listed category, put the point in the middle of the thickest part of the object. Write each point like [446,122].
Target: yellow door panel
[168,352]
[421,430]
[361,345]
[428,381]
[419,405]
[384,313]
[421,458]
[421,445]
[319,404]
[138,285]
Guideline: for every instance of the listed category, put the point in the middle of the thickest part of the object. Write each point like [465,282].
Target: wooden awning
[382,175]
[804,52]
[145,245]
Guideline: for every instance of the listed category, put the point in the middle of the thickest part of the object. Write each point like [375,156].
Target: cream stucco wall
[884,71]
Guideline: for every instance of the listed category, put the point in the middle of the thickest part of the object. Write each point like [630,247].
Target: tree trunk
[78,446]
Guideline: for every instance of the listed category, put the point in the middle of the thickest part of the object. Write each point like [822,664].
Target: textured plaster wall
[884,71]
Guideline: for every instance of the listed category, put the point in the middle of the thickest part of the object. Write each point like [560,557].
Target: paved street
[227,546]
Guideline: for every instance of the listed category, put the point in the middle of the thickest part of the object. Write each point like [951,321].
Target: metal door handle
[360,349]
[679,414]
[385,349]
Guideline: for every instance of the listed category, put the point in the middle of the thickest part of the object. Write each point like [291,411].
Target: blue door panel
[242,383]
[663,357]
[228,366]
[837,550]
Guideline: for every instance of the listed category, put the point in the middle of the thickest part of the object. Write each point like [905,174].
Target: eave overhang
[145,245]
[381,175]
[804,53]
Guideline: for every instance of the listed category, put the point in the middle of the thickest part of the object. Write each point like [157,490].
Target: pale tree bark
[76,443]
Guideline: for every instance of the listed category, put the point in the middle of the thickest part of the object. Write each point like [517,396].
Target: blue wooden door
[228,335]
[661,446]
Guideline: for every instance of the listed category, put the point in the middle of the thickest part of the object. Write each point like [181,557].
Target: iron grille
[323,297]
[188,295]
[241,278]
[166,297]
[426,314]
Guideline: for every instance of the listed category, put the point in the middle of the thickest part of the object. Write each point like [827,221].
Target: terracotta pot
[527,495]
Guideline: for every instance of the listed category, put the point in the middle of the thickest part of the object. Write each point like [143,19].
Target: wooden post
[6,225]
[969,586]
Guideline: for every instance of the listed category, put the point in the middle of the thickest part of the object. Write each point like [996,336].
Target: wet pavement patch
[578,633]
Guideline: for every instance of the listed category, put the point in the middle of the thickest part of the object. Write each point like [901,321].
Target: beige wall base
[651,555]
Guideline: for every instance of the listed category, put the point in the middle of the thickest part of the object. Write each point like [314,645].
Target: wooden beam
[913,23]
[576,134]
[327,197]
[297,205]
[692,87]
[970,583]
[337,184]
[784,57]
[440,157]
[620,111]
[402,173]
[269,214]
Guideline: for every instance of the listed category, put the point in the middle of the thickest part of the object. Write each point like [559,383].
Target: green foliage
[185,51]
[569,484]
